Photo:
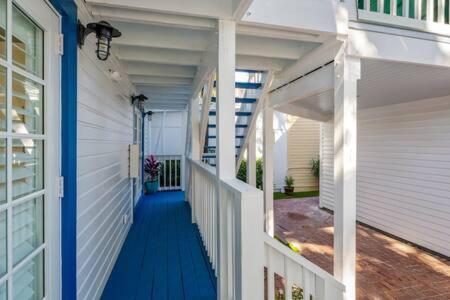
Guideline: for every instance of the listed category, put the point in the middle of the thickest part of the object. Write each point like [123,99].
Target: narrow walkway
[163,256]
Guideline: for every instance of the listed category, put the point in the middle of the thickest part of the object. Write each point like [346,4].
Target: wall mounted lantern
[149,114]
[139,101]
[104,33]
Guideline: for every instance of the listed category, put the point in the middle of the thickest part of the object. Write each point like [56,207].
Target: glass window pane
[27,168]
[2,98]
[4,291]
[3,243]
[28,282]
[2,29]
[27,106]
[27,43]
[28,233]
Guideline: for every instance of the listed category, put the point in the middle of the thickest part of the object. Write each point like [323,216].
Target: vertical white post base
[268,141]
[251,158]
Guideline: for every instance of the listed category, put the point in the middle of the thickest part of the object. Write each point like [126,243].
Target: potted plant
[289,185]
[151,168]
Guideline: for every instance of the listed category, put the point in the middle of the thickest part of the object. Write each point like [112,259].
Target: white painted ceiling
[384,83]
[164,43]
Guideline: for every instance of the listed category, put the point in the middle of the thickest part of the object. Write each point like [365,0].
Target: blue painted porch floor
[163,256]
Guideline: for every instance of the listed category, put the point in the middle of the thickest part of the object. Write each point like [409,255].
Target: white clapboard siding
[403,174]
[104,191]
[326,165]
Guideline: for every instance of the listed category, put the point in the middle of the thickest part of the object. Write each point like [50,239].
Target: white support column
[225,132]
[225,138]
[251,158]
[268,141]
[195,139]
[347,72]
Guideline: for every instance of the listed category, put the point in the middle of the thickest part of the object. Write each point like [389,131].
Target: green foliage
[242,172]
[289,181]
[315,167]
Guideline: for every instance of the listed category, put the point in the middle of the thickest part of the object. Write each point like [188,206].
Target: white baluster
[441,11]
[430,10]
[380,6]
[393,7]
[406,8]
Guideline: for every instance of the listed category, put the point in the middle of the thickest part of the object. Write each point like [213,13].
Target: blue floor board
[163,256]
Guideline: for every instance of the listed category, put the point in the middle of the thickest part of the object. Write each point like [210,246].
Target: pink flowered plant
[152,168]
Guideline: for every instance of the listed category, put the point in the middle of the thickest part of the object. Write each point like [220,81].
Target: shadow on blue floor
[163,256]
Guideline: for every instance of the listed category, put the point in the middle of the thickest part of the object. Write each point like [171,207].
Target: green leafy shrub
[315,167]
[242,172]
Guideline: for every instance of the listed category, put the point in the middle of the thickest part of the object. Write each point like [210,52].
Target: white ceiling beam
[160,81]
[218,9]
[169,90]
[155,55]
[261,63]
[302,112]
[312,60]
[277,33]
[147,69]
[240,8]
[152,18]
[264,47]
[312,84]
[161,37]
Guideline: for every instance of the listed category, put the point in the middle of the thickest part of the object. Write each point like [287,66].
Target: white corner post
[251,158]
[268,141]
[347,72]
[225,140]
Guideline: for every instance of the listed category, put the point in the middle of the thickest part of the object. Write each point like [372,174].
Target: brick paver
[386,268]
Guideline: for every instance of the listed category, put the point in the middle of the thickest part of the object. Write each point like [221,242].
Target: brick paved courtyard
[386,267]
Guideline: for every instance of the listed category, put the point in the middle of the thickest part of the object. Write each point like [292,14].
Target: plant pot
[288,190]
[151,187]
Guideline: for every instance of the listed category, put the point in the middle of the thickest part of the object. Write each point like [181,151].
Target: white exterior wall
[105,129]
[168,133]
[280,160]
[403,176]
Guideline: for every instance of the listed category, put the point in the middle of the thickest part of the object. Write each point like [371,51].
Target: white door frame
[50,21]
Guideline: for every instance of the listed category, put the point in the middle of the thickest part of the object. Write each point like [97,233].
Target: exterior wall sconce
[139,101]
[149,114]
[104,33]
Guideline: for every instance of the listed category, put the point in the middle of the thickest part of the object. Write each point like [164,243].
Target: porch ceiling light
[139,101]
[104,32]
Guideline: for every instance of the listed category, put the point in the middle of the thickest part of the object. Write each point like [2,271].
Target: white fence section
[171,176]
[424,15]
[298,272]
[230,218]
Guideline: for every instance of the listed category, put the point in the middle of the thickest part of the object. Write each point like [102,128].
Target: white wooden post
[195,139]
[268,141]
[347,72]
[225,132]
[225,138]
[251,158]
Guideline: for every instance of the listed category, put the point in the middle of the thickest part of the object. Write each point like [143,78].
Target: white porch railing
[229,214]
[424,15]
[170,177]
